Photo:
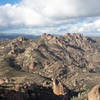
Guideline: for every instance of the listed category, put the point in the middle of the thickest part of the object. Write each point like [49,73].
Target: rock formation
[60,90]
[94,94]
[71,57]
[1,81]
[32,66]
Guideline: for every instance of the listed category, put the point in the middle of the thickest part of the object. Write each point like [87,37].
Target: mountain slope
[68,58]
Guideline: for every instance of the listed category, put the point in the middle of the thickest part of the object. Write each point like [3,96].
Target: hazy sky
[50,16]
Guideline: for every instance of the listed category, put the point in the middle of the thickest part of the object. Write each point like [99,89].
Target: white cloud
[19,15]
[87,28]
[52,15]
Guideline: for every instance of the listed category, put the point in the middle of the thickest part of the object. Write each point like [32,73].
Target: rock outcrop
[1,81]
[47,36]
[60,90]
[32,66]
[94,94]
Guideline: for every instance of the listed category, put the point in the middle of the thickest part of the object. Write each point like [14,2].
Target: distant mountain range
[12,36]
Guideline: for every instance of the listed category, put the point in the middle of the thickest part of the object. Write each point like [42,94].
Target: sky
[50,16]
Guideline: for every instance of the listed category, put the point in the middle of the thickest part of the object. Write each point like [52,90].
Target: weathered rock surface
[60,90]
[94,94]
[70,57]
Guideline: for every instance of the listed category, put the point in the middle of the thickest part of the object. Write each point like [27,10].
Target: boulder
[94,94]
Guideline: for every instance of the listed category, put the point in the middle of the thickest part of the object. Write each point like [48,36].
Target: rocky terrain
[28,66]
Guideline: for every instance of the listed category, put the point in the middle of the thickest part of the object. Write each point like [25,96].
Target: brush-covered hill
[72,58]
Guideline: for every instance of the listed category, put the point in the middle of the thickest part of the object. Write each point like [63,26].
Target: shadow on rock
[34,92]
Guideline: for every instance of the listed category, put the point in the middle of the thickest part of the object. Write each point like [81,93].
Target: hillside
[73,59]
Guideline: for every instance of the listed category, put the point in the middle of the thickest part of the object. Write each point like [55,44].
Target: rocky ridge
[38,60]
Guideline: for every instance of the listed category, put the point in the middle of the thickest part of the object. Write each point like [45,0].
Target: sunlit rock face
[94,94]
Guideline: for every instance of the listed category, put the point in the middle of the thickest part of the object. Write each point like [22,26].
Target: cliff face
[70,58]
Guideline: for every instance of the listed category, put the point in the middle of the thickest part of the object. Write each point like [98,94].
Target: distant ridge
[12,36]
